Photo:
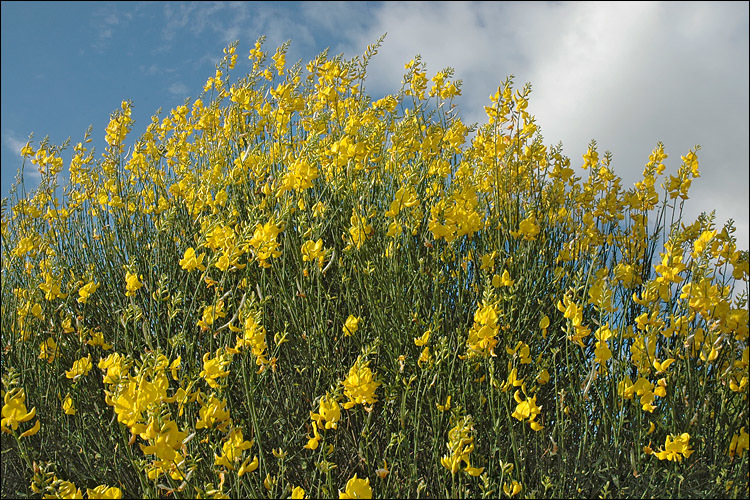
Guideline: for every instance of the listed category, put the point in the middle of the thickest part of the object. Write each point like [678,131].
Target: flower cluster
[460,445]
[360,385]
[14,412]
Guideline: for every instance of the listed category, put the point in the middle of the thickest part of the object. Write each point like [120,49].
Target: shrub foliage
[287,287]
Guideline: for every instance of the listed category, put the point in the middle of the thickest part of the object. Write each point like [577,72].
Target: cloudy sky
[626,74]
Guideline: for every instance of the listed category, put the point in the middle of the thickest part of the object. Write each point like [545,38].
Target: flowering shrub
[286,282]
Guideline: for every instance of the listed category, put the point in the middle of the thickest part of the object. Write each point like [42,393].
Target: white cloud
[193,17]
[178,89]
[104,19]
[151,69]
[14,144]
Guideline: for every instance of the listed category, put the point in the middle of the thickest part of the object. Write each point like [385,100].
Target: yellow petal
[536,426]
[474,471]
[33,430]
[28,416]
[544,323]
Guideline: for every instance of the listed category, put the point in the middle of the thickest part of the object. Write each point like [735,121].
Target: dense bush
[286,287]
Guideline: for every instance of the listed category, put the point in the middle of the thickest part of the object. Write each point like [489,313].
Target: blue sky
[625,74]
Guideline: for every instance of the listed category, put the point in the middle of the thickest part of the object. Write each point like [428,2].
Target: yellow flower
[571,310]
[359,231]
[675,448]
[66,489]
[298,492]
[522,350]
[166,441]
[423,339]
[97,338]
[488,262]
[51,286]
[504,280]
[404,197]
[86,291]
[27,150]
[174,468]
[357,488]
[213,412]
[48,350]
[104,491]
[460,445]
[174,366]
[446,406]
[527,409]
[313,442]
[233,449]
[740,443]
[254,337]
[312,250]
[265,244]
[512,489]
[80,368]
[269,481]
[663,365]
[299,177]
[383,472]
[602,353]
[319,209]
[329,415]
[191,262]
[425,357]
[483,334]
[215,368]
[14,410]
[701,243]
[211,314]
[115,366]
[529,228]
[351,325]
[360,385]
[132,284]
[248,466]
[68,406]
[513,380]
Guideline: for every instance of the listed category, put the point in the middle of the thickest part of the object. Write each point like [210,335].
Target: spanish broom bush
[289,288]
